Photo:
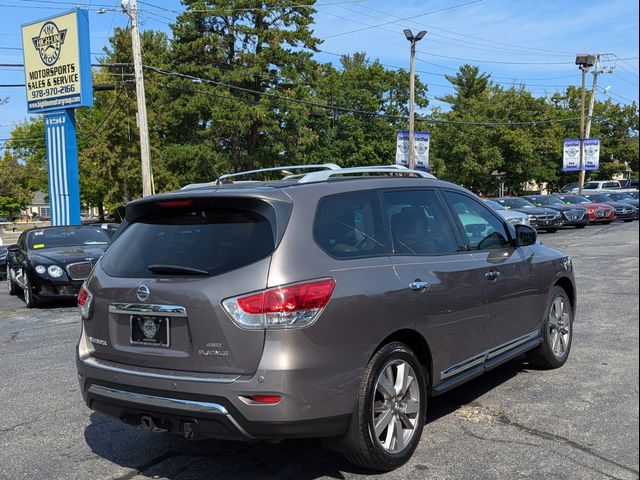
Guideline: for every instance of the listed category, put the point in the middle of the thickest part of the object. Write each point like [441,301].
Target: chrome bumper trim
[179,404]
[155,401]
[148,309]
[146,372]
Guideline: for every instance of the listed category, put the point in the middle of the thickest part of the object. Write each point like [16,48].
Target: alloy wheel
[559,327]
[396,406]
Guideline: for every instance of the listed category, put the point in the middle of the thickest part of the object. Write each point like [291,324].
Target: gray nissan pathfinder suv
[330,303]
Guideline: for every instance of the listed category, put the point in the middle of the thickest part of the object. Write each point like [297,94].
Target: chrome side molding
[489,354]
[148,309]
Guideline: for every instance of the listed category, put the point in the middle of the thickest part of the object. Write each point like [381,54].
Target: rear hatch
[158,289]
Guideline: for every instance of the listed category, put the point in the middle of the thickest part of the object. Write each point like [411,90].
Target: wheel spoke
[401,378]
[558,307]
[553,321]
[406,421]
[411,407]
[390,434]
[563,343]
[385,387]
[382,422]
[399,431]
[554,339]
[555,344]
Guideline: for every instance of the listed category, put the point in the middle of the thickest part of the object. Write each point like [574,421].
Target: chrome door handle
[418,285]
[492,275]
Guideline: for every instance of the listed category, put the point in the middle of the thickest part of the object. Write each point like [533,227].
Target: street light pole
[413,39]
[145,151]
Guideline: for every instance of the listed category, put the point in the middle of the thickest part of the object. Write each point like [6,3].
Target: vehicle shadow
[49,304]
[172,457]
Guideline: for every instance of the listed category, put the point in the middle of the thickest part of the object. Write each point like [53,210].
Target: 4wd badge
[49,42]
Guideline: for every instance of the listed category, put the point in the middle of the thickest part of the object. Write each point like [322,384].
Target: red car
[598,212]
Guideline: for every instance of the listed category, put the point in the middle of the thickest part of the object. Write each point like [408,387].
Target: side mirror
[525,235]
[13,248]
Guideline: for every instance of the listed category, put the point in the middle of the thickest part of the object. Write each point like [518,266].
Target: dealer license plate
[150,331]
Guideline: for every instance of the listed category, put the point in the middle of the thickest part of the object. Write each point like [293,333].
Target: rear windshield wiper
[176,270]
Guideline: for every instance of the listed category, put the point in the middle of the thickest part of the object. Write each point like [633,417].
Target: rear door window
[211,241]
[482,229]
[350,225]
[419,225]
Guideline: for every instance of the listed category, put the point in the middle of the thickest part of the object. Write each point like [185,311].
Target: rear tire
[390,414]
[11,286]
[557,332]
[628,220]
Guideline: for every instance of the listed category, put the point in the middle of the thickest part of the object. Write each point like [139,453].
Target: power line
[249,9]
[349,110]
[407,18]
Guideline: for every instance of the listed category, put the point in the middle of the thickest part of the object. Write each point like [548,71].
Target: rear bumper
[316,400]
[197,416]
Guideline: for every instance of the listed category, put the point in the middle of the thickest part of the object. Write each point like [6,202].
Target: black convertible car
[52,262]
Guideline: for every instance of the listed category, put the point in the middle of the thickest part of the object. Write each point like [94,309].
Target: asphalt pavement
[578,422]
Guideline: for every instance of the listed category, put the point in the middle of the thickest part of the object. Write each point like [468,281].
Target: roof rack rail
[323,166]
[325,175]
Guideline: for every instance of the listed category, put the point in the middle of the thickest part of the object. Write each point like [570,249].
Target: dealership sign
[57,62]
[421,147]
[571,154]
[591,149]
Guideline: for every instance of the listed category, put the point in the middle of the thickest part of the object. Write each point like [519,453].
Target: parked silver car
[330,304]
[512,216]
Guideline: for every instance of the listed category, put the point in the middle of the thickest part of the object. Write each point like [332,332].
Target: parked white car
[511,216]
[603,186]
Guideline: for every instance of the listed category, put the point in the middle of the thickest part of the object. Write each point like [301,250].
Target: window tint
[483,230]
[610,185]
[214,240]
[349,226]
[67,237]
[418,223]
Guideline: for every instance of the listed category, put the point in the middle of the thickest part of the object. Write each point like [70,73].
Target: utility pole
[581,175]
[413,39]
[584,62]
[145,151]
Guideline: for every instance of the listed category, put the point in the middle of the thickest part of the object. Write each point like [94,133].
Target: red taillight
[84,301]
[289,298]
[281,307]
[264,399]
[175,203]
[83,296]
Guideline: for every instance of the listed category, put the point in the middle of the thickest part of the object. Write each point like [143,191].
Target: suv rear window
[212,240]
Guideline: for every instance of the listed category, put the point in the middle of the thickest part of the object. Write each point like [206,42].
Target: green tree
[254,54]
[469,84]
[16,183]
[373,106]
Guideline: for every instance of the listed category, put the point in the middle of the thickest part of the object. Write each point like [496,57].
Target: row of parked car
[551,212]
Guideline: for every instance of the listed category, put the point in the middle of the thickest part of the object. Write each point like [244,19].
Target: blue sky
[530,41]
